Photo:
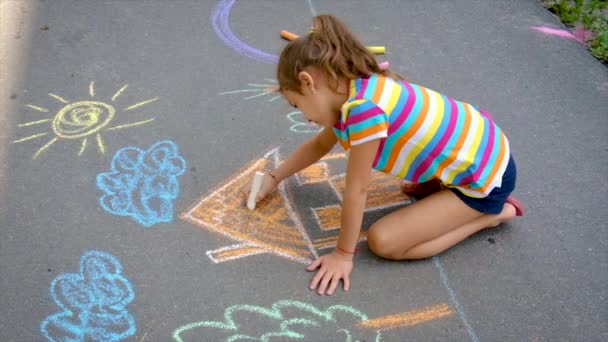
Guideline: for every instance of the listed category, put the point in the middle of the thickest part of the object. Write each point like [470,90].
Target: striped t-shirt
[424,135]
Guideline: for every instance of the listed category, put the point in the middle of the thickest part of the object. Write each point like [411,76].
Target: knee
[382,245]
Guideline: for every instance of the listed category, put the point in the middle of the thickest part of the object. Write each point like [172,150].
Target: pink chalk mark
[581,34]
[553,32]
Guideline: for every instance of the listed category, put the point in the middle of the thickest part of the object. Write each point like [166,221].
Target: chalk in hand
[256,185]
[384,65]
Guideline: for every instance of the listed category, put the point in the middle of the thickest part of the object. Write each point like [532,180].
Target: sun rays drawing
[257,90]
[83,120]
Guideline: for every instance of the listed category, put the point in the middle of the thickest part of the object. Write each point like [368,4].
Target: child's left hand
[333,267]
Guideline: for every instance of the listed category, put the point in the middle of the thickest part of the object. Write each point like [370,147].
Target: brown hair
[332,49]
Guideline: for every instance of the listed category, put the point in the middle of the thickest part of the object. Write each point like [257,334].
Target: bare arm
[307,154]
[355,193]
[339,264]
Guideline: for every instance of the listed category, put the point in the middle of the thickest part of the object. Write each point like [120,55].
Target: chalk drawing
[275,226]
[296,320]
[455,302]
[315,173]
[383,193]
[300,125]
[93,302]
[220,20]
[313,11]
[84,119]
[143,184]
[256,90]
[580,34]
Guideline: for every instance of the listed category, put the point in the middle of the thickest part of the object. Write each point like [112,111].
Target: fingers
[244,190]
[268,186]
[334,283]
[260,196]
[318,278]
[327,277]
[314,265]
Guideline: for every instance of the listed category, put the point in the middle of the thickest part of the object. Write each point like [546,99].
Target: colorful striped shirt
[424,135]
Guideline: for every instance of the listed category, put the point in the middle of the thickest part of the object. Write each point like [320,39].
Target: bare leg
[449,239]
[429,226]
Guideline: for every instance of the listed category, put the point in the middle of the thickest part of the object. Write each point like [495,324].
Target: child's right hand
[269,185]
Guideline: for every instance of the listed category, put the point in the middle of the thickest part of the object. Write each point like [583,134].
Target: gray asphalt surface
[540,278]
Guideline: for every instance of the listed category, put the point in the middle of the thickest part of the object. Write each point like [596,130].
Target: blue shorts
[494,202]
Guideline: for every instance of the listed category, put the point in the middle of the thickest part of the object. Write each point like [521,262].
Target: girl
[400,128]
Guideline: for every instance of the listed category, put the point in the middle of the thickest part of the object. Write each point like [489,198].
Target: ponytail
[332,49]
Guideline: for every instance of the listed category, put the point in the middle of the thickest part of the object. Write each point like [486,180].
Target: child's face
[318,102]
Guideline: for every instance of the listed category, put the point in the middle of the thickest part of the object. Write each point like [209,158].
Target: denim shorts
[494,202]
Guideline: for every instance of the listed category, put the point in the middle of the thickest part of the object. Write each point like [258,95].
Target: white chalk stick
[256,185]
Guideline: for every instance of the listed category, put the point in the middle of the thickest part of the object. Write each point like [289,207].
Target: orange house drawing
[276,225]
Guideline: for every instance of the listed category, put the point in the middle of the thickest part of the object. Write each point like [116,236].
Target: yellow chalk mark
[102,149]
[40,109]
[329,217]
[34,122]
[316,173]
[84,145]
[333,240]
[119,92]
[325,239]
[133,124]
[331,156]
[59,98]
[384,190]
[31,137]
[407,318]
[236,253]
[45,147]
[83,118]
[141,104]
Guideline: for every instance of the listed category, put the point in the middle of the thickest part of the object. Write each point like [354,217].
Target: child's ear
[306,80]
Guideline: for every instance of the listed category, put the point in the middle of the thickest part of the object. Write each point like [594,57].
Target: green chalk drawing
[288,319]
[300,125]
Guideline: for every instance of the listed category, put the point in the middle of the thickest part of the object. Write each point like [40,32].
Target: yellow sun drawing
[81,120]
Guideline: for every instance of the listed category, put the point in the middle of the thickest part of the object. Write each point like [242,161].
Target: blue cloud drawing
[143,184]
[93,302]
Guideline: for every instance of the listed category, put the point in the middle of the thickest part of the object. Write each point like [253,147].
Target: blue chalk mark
[143,184]
[444,280]
[93,302]
[313,11]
